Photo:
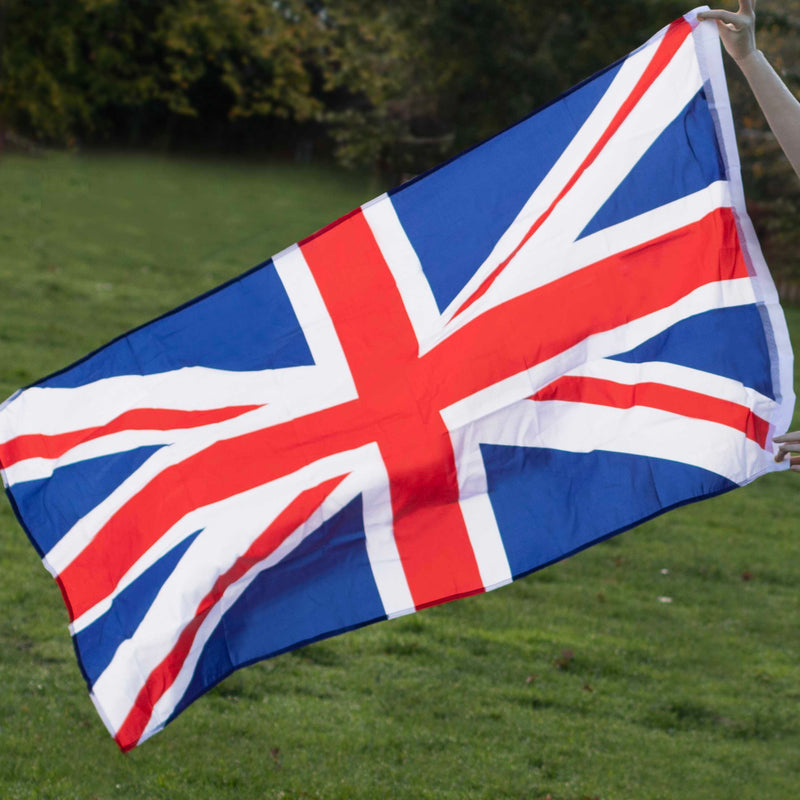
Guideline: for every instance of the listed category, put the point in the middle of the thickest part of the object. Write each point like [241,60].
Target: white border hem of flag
[709,55]
[102,714]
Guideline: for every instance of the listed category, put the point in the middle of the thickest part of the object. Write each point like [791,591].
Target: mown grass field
[577,682]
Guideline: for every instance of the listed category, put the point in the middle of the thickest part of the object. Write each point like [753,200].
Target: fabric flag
[541,343]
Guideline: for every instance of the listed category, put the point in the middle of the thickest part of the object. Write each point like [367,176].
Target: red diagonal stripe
[222,470]
[164,675]
[141,419]
[530,329]
[670,44]
[601,392]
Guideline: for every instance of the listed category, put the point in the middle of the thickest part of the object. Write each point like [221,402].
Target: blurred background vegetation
[396,87]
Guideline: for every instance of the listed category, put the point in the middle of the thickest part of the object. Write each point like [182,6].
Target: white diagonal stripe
[212,553]
[646,121]
[724,294]
[661,104]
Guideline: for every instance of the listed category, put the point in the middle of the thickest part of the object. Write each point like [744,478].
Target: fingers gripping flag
[541,343]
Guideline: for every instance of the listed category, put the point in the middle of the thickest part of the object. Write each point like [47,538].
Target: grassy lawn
[577,682]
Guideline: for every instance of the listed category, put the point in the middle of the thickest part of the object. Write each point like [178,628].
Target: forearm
[779,105]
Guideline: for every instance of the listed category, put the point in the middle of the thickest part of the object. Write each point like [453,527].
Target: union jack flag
[558,334]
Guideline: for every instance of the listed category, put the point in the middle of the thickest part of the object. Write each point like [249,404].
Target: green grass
[575,682]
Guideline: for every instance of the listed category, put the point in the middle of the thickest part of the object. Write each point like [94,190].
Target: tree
[78,68]
[450,73]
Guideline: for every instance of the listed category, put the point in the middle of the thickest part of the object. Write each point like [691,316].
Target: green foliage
[369,81]
[446,75]
[33,95]
[67,66]
[577,682]
[398,84]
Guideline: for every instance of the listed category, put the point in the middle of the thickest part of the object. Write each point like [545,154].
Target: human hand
[789,443]
[737,31]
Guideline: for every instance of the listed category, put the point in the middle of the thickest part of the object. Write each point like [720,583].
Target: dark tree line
[398,83]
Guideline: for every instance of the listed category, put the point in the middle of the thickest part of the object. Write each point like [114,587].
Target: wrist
[751,55]
[750,59]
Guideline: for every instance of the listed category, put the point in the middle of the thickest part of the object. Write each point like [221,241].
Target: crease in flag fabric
[558,334]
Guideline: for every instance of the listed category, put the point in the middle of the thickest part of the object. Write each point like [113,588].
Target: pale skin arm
[780,107]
